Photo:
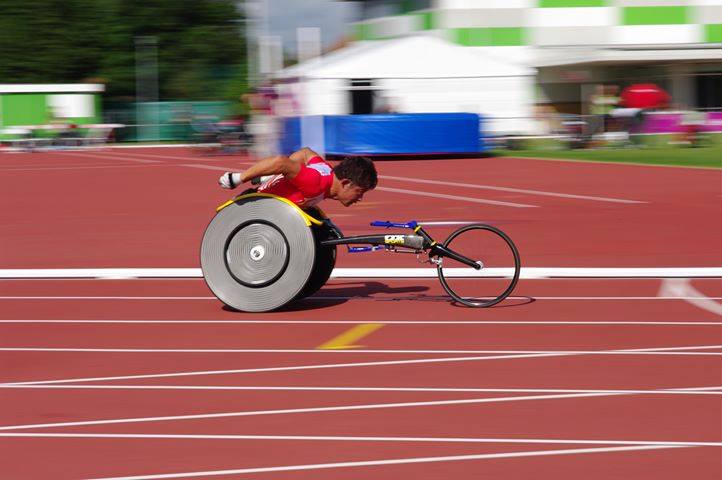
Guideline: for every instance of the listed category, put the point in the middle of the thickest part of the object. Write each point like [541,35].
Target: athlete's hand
[230,180]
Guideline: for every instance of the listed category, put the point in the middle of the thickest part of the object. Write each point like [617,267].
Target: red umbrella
[644,95]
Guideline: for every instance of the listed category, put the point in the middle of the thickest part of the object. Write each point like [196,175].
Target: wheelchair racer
[306,179]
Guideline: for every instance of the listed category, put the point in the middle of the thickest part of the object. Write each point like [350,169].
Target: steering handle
[387,224]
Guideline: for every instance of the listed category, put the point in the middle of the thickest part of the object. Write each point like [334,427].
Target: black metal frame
[391,241]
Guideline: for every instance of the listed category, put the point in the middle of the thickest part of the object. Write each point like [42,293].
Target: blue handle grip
[364,249]
[387,224]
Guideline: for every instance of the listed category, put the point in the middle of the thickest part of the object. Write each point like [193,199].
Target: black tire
[325,260]
[499,257]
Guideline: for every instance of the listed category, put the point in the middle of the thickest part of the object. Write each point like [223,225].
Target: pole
[146,87]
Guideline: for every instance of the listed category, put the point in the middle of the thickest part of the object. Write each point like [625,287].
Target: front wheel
[498,257]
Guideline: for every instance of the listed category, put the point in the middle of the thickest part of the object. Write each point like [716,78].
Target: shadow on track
[335,295]
[508,302]
[340,293]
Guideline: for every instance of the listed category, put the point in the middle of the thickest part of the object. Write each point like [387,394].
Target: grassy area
[657,153]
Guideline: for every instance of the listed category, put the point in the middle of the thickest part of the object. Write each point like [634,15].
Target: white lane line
[140,159]
[704,391]
[25,166]
[89,167]
[455,197]
[413,352]
[337,408]
[510,298]
[683,287]
[280,369]
[114,157]
[324,438]
[354,322]
[109,273]
[210,167]
[526,272]
[508,189]
[187,158]
[102,298]
[614,164]
[143,156]
[330,298]
[534,272]
[398,461]
[345,365]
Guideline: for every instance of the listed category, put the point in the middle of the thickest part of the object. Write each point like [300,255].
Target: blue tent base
[415,156]
[393,134]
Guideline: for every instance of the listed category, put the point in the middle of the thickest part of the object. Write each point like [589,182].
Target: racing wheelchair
[261,251]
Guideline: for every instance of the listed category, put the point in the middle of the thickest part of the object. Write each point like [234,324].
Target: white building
[414,74]
[575,44]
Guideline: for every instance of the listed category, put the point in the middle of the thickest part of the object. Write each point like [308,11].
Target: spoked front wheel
[498,257]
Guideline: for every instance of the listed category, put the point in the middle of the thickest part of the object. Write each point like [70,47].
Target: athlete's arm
[271,166]
[280,164]
[304,155]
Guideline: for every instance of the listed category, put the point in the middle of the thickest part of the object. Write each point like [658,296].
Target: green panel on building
[572,3]
[655,15]
[363,31]
[428,20]
[713,33]
[507,37]
[25,109]
[489,37]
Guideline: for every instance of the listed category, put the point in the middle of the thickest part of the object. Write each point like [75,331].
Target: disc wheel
[500,266]
[257,254]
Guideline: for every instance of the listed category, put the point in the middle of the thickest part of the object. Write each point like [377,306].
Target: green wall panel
[572,3]
[25,109]
[489,37]
[364,31]
[713,33]
[655,15]
[32,109]
[428,20]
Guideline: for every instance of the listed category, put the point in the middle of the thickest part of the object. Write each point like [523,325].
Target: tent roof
[407,57]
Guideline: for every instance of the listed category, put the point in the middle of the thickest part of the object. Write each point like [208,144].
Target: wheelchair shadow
[339,293]
[511,301]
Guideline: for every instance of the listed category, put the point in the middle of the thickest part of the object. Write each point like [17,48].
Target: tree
[201,48]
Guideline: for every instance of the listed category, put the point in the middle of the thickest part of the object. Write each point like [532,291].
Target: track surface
[614,378]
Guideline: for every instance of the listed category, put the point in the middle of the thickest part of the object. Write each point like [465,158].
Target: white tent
[417,74]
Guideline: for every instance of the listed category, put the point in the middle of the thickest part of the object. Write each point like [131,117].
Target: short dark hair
[360,170]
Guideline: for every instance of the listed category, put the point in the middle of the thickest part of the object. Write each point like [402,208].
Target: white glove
[230,180]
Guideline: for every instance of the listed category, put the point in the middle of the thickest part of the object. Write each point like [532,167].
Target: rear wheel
[325,259]
[500,266]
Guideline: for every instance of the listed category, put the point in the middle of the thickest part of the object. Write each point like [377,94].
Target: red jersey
[307,189]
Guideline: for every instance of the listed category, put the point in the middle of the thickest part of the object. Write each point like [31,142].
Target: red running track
[154,379]
[149,207]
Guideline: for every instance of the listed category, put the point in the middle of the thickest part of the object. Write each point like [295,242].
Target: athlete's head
[355,176]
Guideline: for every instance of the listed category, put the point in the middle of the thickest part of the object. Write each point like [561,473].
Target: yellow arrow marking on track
[347,338]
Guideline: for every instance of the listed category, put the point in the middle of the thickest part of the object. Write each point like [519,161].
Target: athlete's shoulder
[320,165]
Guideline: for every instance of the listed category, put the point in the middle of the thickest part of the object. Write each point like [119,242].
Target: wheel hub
[257,253]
